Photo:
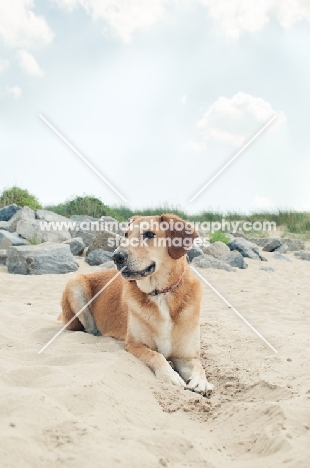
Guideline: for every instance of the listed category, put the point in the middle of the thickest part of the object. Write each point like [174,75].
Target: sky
[158,95]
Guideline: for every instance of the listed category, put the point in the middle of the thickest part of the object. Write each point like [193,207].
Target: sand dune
[86,402]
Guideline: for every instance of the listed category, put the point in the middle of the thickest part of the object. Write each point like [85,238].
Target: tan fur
[154,328]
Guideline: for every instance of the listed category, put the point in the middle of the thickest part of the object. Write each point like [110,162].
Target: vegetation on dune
[218,236]
[291,222]
[87,205]
[20,197]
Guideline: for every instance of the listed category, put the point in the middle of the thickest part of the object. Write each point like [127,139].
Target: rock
[24,213]
[32,230]
[284,244]
[216,250]
[239,234]
[246,248]
[282,249]
[108,265]
[234,259]
[261,241]
[302,254]
[266,268]
[293,244]
[50,216]
[81,218]
[3,256]
[4,225]
[105,240]
[230,236]
[98,257]
[272,245]
[77,245]
[7,239]
[87,237]
[279,256]
[195,251]
[205,261]
[7,212]
[47,258]
[111,224]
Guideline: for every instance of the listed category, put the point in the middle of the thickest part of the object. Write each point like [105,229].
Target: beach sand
[86,402]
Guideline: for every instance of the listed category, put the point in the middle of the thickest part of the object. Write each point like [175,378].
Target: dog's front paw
[171,377]
[200,385]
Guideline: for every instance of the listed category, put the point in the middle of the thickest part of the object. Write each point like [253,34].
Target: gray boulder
[3,256]
[98,257]
[234,259]
[281,244]
[108,265]
[76,245]
[293,244]
[206,261]
[4,225]
[43,259]
[194,252]
[7,239]
[279,256]
[111,224]
[24,213]
[105,240]
[246,248]
[272,245]
[87,237]
[50,216]
[34,231]
[302,255]
[216,250]
[239,234]
[7,212]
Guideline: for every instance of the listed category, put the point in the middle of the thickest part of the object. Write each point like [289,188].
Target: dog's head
[152,241]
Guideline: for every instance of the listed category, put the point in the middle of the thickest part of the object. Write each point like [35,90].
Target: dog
[153,303]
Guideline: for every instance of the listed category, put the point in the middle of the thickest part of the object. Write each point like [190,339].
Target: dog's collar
[156,292]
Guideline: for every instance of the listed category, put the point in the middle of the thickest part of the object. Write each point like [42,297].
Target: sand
[86,402]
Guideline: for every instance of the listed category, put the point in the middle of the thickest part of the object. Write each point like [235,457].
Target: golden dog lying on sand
[154,305]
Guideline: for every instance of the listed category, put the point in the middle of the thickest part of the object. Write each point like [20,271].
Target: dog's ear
[181,234]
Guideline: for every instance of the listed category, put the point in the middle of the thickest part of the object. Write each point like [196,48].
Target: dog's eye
[149,235]
[126,234]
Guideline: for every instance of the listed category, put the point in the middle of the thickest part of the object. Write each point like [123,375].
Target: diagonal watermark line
[80,311]
[236,312]
[83,158]
[233,158]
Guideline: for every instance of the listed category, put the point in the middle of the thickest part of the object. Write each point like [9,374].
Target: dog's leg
[156,362]
[74,298]
[193,373]
[68,314]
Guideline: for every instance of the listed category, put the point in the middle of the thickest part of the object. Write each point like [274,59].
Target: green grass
[218,237]
[291,222]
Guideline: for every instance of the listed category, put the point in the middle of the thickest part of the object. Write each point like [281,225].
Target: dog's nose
[120,257]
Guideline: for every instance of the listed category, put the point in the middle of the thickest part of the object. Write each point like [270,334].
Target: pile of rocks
[26,247]
[231,255]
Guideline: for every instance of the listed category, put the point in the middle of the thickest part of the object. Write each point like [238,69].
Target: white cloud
[261,202]
[15,91]
[234,120]
[235,16]
[183,99]
[123,16]
[4,65]
[20,27]
[29,64]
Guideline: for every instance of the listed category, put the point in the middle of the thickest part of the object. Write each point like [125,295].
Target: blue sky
[158,95]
